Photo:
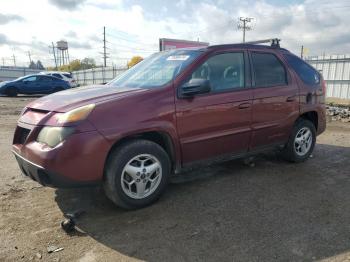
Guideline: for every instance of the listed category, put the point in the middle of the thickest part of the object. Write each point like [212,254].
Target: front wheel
[136,174]
[11,91]
[301,141]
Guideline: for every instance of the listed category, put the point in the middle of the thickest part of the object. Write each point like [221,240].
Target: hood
[3,83]
[72,98]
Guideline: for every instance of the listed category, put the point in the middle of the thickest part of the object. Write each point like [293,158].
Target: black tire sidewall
[11,91]
[57,89]
[116,164]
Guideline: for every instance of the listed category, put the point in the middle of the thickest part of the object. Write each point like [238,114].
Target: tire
[11,92]
[300,145]
[138,187]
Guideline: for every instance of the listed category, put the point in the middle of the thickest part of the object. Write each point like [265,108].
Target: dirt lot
[274,211]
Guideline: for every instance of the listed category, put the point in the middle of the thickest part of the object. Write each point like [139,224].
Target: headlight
[52,136]
[75,115]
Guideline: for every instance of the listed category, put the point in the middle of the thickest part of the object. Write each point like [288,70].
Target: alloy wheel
[141,176]
[303,141]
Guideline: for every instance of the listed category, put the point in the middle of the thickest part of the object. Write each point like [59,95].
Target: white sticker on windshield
[178,57]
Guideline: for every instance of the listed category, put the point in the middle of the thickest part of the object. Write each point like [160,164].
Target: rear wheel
[57,89]
[11,91]
[136,174]
[301,142]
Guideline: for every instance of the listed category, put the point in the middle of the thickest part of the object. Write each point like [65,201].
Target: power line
[126,39]
[130,48]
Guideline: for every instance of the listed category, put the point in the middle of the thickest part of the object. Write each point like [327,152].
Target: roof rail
[275,42]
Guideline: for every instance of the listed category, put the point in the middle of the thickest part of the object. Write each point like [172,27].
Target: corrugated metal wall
[97,75]
[336,71]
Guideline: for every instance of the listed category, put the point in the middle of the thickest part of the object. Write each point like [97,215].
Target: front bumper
[76,162]
[45,177]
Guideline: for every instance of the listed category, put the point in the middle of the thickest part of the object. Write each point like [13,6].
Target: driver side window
[224,71]
[30,79]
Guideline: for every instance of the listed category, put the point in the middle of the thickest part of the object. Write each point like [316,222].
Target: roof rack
[275,42]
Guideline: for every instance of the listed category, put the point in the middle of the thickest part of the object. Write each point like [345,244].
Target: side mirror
[195,86]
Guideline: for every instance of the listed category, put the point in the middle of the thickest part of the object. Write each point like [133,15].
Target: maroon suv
[174,110]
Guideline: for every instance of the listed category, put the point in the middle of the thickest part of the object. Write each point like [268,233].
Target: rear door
[46,84]
[275,100]
[217,123]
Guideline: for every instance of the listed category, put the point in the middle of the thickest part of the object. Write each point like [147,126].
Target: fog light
[52,136]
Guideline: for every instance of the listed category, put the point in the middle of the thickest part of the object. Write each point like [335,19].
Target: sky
[133,27]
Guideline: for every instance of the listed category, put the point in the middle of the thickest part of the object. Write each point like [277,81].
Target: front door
[216,123]
[30,85]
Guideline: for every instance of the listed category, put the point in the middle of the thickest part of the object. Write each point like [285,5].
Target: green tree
[76,65]
[88,63]
[32,65]
[39,65]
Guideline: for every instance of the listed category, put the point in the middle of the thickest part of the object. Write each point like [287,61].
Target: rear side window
[305,72]
[57,75]
[48,78]
[268,70]
[68,75]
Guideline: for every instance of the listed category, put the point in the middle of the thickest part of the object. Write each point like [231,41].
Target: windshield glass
[156,70]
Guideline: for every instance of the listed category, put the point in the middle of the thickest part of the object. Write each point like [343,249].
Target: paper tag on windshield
[178,57]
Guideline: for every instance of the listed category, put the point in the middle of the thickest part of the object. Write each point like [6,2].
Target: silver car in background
[66,76]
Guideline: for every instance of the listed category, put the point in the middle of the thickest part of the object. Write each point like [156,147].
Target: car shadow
[271,211]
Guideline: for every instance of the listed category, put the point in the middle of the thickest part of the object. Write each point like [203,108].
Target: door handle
[290,99]
[244,105]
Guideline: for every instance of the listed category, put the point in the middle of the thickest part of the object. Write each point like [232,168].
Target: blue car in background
[33,84]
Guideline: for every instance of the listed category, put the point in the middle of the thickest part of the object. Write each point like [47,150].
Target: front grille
[22,135]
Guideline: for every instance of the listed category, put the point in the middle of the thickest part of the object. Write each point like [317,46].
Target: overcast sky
[133,27]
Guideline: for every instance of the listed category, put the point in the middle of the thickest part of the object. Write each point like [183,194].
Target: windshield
[156,70]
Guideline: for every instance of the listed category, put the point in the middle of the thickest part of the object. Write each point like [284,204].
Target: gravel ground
[274,211]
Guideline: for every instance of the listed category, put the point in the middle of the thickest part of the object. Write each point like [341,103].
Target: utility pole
[30,58]
[54,54]
[3,61]
[302,52]
[243,25]
[104,47]
[14,59]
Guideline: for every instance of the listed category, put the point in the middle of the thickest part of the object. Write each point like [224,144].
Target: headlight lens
[75,115]
[52,136]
